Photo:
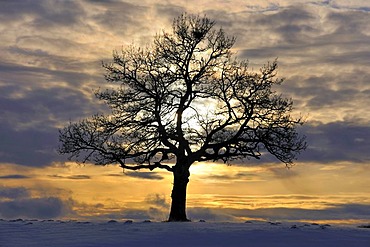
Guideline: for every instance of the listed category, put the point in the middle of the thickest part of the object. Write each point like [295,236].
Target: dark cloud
[101,1]
[263,9]
[208,214]
[42,76]
[73,177]
[31,116]
[45,58]
[17,202]
[335,212]
[13,176]
[360,57]
[152,213]
[13,193]
[134,214]
[144,175]
[290,25]
[302,32]
[171,11]
[326,143]
[13,10]
[41,208]
[338,141]
[59,13]
[350,21]
[232,177]
[28,147]
[323,57]
[120,17]
[138,174]
[330,97]
[79,177]
[44,14]
[153,207]
[283,173]
[330,94]
[157,200]
[115,175]
[262,208]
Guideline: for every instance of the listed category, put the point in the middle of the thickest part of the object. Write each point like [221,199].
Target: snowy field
[73,233]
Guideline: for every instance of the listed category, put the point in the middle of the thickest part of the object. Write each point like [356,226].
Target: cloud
[208,215]
[157,200]
[326,143]
[338,141]
[31,116]
[73,177]
[343,212]
[48,72]
[28,147]
[233,177]
[134,214]
[44,105]
[13,176]
[336,212]
[152,213]
[13,193]
[44,14]
[17,202]
[42,203]
[120,16]
[171,11]
[153,207]
[41,208]
[144,175]
[312,43]
[284,174]
[289,24]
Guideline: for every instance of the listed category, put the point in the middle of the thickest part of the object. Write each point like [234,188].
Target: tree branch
[150,167]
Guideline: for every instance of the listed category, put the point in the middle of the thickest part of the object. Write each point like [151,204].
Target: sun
[201,168]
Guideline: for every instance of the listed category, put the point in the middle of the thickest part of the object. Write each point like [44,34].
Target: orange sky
[226,192]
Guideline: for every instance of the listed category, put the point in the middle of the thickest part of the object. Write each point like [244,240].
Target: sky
[50,64]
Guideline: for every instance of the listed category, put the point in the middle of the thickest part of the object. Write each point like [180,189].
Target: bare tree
[183,100]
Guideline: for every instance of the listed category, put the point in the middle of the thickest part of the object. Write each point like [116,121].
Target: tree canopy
[184,99]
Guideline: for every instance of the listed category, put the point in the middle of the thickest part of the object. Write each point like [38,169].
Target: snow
[255,233]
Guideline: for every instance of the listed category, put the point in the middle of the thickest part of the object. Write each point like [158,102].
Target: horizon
[51,55]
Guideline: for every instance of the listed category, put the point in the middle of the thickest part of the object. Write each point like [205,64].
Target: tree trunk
[178,205]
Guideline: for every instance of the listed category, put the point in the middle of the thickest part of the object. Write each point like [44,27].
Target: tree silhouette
[183,100]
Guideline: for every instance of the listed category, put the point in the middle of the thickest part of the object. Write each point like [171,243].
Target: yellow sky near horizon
[97,192]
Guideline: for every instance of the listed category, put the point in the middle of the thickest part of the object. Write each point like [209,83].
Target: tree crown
[186,98]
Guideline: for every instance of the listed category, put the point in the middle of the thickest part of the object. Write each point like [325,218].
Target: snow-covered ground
[265,234]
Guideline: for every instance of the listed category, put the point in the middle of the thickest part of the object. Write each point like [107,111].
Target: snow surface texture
[254,234]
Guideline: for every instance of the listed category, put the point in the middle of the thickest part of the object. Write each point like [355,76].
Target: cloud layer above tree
[51,53]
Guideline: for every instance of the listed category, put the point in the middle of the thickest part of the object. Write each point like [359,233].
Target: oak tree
[182,100]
